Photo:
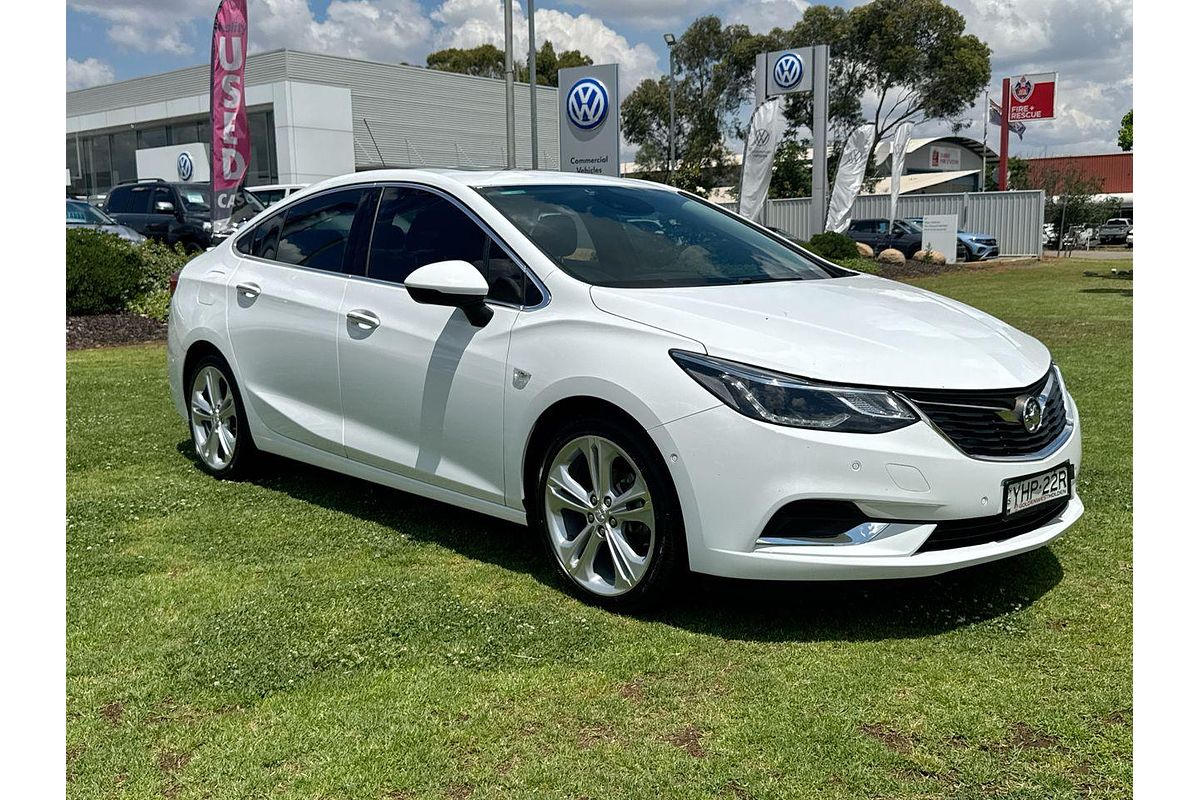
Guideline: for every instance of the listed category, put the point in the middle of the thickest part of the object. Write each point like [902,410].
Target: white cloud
[468,23]
[89,72]
[147,25]
[383,30]
[764,15]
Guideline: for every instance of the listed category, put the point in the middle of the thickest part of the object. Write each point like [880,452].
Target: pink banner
[230,134]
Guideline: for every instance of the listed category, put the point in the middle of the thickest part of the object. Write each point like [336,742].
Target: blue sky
[1089,42]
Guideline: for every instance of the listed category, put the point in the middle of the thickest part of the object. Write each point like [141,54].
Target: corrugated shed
[403,116]
[1115,170]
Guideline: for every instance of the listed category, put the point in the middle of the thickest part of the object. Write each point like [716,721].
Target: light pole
[509,101]
[669,38]
[532,89]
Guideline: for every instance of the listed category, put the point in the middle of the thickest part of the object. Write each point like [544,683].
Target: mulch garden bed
[107,330]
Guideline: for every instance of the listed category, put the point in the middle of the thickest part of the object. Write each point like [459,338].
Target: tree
[1125,135]
[792,175]
[487,61]
[1018,175]
[705,108]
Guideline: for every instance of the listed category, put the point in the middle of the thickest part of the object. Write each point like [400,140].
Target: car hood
[975,235]
[857,330]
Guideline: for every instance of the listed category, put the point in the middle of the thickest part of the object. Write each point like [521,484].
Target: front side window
[415,227]
[646,238]
[315,231]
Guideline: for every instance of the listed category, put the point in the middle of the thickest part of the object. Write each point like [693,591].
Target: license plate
[1022,494]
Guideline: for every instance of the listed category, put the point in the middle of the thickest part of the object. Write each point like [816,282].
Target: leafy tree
[1125,135]
[792,175]
[487,61]
[1018,175]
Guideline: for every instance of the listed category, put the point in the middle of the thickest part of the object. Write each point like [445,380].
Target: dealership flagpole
[510,115]
[1005,105]
[532,88]
[987,110]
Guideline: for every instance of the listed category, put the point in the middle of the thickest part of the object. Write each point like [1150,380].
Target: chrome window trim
[487,229]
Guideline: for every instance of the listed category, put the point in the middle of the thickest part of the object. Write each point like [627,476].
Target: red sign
[230,134]
[1032,97]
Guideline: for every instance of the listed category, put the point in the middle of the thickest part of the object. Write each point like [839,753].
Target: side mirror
[163,207]
[451,283]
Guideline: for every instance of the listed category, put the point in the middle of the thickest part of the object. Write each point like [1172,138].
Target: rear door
[283,315]
[422,388]
[130,205]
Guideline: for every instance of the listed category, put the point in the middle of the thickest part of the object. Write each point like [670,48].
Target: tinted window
[263,241]
[507,282]
[862,226]
[641,237]
[315,231]
[415,228]
[129,200]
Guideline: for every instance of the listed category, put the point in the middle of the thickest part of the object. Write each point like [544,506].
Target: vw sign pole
[802,69]
[589,120]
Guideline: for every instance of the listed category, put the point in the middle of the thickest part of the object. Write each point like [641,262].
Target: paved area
[1099,254]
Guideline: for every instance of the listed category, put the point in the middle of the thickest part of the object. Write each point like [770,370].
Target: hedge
[833,246]
[107,274]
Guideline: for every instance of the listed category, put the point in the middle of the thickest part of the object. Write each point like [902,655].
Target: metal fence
[1014,218]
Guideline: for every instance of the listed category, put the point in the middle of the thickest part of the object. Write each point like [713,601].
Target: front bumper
[733,474]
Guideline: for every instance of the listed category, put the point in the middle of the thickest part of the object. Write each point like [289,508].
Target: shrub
[106,274]
[833,245]
[103,272]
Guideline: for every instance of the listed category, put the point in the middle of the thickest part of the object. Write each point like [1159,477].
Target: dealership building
[310,117]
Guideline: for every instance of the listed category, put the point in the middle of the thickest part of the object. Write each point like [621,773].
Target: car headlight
[787,400]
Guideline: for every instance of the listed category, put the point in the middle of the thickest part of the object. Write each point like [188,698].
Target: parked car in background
[874,233]
[82,215]
[271,194]
[971,246]
[698,393]
[1115,230]
[174,213]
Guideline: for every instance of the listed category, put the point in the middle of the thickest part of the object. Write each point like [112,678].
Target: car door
[283,305]
[422,388]
[160,221]
[130,205]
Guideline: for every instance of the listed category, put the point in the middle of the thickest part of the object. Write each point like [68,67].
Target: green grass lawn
[309,635]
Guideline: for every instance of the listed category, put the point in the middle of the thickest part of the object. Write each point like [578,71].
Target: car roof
[454,178]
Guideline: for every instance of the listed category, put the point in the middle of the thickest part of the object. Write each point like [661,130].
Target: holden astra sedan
[650,382]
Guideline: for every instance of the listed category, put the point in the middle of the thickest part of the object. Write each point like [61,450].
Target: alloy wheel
[214,418]
[600,515]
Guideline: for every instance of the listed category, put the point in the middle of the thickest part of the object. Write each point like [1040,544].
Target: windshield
[641,237]
[87,214]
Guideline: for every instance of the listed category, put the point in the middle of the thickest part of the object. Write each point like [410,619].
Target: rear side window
[263,241]
[129,200]
[314,232]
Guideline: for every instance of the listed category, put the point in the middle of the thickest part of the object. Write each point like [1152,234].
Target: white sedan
[652,383]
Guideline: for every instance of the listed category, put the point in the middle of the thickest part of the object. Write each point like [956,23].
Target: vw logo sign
[1031,410]
[184,165]
[587,103]
[789,69]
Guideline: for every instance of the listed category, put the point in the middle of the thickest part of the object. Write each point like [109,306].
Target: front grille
[968,532]
[985,424]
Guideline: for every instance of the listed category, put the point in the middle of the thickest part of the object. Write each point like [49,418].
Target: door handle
[364,319]
[249,290]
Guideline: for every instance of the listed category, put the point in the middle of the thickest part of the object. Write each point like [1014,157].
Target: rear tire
[608,515]
[217,420]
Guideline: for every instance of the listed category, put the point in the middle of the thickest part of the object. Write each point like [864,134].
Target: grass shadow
[766,611]
[1113,290]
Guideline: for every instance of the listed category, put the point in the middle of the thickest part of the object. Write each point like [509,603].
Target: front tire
[217,420]
[608,515]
